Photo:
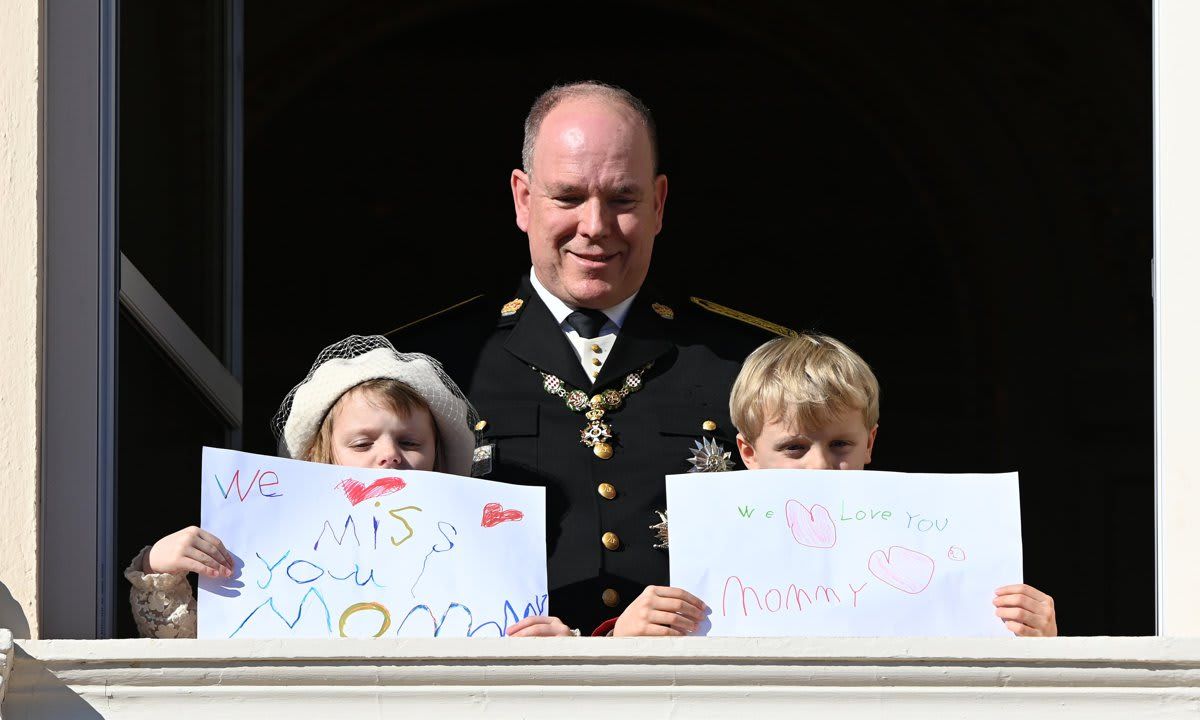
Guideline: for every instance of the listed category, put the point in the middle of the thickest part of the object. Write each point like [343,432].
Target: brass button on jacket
[610,597]
[607,491]
[709,425]
[481,426]
[610,540]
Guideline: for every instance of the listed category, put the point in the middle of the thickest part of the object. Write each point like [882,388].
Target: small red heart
[494,514]
[811,527]
[906,570]
[356,492]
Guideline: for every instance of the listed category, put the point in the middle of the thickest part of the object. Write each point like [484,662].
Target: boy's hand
[661,611]
[189,550]
[539,626]
[1026,611]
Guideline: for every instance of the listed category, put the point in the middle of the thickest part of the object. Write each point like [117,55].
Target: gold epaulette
[433,315]
[743,317]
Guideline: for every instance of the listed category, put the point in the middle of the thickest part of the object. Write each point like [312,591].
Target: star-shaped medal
[660,529]
[709,456]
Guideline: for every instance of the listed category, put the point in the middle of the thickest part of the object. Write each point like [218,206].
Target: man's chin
[596,294]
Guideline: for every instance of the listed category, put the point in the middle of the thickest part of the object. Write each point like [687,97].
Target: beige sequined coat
[163,604]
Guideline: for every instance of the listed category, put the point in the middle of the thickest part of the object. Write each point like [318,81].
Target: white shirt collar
[560,310]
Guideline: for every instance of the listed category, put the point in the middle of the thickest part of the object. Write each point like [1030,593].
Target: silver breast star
[661,529]
[709,456]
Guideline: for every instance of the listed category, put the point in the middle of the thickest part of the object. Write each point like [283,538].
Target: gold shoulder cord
[743,317]
[433,315]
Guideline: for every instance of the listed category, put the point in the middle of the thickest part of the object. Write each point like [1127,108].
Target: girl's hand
[189,550]
[1026,611]
[661,611]
[539,626]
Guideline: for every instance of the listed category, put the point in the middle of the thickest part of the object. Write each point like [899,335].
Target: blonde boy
[810,402]
[807,402]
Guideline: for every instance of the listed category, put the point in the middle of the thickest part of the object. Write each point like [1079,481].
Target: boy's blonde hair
[807,380]
[394,395]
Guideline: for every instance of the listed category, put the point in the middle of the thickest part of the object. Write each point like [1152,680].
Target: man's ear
[871,443]
[746,450]
[520,191]
[660,201]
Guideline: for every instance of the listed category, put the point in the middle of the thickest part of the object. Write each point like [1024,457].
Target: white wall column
[1177,311]
[20,272]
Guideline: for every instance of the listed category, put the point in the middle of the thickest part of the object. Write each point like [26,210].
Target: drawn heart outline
[494,514]
[356,492]
[811,527]
[906,570]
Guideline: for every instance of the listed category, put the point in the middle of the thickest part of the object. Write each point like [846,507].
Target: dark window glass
[163,423]
[172,155]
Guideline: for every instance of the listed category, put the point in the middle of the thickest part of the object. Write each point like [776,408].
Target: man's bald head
[591,90]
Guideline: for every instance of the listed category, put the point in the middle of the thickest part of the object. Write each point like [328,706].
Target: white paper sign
[852,553]
[328,551]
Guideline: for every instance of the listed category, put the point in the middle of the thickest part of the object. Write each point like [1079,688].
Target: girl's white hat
[360,358]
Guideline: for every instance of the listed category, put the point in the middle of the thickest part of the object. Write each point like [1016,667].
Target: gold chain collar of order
[597,433]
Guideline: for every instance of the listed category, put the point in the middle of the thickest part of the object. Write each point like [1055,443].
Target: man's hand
[539,626]
[189,550]
[1026,611]
[661,611]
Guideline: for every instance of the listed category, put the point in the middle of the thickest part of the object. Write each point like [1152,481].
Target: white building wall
[19,316]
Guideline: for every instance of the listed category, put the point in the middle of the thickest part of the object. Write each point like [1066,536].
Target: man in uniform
[588,382]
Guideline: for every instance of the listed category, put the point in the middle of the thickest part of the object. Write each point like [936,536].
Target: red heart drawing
[906,570]
[811,527]
[494,514]
[356,492]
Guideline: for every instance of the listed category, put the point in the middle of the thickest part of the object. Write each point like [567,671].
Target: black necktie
[587,322]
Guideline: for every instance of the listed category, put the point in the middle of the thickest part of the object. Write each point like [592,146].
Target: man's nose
[593,219]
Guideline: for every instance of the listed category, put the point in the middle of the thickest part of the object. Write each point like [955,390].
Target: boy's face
[845,443]
[367,433]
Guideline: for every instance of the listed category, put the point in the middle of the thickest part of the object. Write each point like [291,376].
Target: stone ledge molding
[606,678]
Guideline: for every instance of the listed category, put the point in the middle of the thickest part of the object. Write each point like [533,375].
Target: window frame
[87,282]
[82,295]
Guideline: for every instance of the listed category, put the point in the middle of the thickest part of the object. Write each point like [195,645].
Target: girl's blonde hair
[394,395]
[808,380]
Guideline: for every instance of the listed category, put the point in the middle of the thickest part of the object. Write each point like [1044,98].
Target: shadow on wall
[12,615]
[36,692]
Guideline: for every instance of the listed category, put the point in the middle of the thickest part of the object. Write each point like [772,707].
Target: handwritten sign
[853,553]
[329,551]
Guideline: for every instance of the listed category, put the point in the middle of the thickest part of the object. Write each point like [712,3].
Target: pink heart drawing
[356,492]
[494,514]
[906,570]
[811,527]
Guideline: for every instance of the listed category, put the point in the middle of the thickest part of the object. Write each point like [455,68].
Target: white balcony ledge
[605,678]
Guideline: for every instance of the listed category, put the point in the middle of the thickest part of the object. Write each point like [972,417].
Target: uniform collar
[538,340]
[560,310]
[643,338]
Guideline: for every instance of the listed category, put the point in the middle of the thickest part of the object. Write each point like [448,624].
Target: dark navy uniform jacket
[696,354]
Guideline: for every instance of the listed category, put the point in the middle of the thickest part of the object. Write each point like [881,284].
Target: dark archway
[962,193]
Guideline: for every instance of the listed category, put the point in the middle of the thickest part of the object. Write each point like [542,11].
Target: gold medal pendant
[597,434]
